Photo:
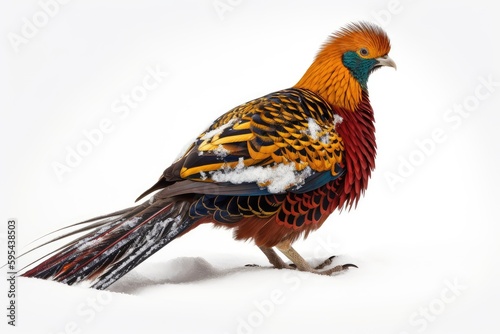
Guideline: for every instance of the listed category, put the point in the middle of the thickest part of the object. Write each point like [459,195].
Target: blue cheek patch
[359,67]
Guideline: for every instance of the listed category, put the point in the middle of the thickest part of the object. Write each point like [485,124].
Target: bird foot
[300,264]
[326,263]
[335,270]
[315,270]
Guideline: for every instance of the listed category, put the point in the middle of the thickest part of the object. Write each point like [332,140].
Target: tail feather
[46,269]
[115,243]
[88,225]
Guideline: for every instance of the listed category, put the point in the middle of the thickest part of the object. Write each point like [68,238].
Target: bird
[272,169]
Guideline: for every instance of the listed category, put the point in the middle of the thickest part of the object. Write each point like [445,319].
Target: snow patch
[313,128]
[131,222]
[221,151]
[218,131]
[276,179]
[90,241]
[325,139]
[337,119]
[185,149]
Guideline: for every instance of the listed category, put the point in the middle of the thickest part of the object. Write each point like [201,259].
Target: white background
[437,226]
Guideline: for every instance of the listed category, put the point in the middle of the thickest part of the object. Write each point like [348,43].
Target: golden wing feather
[288,126]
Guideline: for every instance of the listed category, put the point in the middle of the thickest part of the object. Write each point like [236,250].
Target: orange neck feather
[330,79]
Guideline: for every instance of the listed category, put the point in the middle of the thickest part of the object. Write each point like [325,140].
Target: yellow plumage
[271,130]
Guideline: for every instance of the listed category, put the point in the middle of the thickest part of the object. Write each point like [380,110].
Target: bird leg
[302,264]
[274,258]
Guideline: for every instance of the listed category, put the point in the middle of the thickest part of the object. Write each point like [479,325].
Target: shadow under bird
[272,169]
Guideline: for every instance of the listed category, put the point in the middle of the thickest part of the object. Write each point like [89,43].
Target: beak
[386,61]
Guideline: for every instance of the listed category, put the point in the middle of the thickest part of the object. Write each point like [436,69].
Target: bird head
[364,48]
[341,69]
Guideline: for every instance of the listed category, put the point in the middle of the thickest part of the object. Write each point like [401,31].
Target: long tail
[116,243]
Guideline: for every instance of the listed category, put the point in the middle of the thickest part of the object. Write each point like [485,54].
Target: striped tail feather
[115,244]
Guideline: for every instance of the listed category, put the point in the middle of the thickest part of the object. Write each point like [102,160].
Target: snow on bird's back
[276,179]
[313,128]
[212,133]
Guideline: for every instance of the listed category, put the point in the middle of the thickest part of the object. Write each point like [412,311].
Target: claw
[336,269]
[325,263]
[349,265]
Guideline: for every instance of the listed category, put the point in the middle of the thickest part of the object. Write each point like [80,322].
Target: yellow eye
[363,52]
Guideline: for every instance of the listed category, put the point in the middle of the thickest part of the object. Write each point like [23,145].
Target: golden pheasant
[272,169]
